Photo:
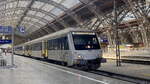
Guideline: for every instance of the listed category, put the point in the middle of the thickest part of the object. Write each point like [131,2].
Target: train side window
[59,40]
[50,45]
[58,44]
[35,47]
[18,48]
[65,43]
[54,44]
[32,47]
[62,43]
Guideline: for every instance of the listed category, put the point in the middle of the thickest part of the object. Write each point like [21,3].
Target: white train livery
[71,46]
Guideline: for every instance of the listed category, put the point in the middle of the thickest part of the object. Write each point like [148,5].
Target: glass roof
[32,14]
[129,16]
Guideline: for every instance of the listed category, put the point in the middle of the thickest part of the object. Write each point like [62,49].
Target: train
[72,47]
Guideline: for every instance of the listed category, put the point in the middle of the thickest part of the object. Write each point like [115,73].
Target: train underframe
[88,64]
[78,63]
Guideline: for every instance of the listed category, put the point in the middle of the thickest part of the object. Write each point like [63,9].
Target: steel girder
[32,9]
[32,22]
[26,21]
[31,16]
[39,10]
[25,12]
[54,27]
[57,5]
[141,11]
[63,8]
[49,29]
[44,29]
[91,7]
[41,32]
[60,6]
[101,17]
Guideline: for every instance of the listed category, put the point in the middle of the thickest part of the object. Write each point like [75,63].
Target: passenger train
[71,46]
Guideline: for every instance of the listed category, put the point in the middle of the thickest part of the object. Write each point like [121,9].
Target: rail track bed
[132,79]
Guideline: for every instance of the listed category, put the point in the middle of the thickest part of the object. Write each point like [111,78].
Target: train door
[29,50]
[23,51]
[45,49]
[26,50]
[71,50]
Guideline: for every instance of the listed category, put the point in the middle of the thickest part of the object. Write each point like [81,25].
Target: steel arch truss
[133,15]
[35,9]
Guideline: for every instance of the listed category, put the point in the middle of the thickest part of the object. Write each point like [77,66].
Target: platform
[136,55]
[30,71]
[134,70]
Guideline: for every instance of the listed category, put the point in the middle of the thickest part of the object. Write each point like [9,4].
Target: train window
[18,48]
[85,42]
[36,46]
[58,44]
[26,47]
[66,45]
[49,45]
[55,44]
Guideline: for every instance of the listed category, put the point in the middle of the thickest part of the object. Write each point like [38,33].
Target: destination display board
[6,29]
[5,41]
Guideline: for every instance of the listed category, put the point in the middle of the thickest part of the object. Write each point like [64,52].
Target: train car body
[71,46]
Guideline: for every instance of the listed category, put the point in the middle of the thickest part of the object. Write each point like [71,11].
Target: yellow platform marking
[148,75]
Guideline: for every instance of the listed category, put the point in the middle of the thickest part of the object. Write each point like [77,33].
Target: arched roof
[32,14]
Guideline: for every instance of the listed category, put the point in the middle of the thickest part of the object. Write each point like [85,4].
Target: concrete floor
[130,54]
[29,71]
[135,70]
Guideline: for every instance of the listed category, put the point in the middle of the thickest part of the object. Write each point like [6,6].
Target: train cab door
[45,49]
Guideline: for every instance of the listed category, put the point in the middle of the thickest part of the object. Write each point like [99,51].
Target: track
[135,80]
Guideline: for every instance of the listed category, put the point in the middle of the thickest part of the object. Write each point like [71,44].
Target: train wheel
[45,57]
[63,63]
[29,55]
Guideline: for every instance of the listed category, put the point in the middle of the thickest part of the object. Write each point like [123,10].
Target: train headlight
[79,57]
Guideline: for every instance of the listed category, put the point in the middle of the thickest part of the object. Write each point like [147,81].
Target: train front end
[87,52]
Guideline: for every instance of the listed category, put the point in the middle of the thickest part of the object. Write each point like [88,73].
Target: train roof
[56,34]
